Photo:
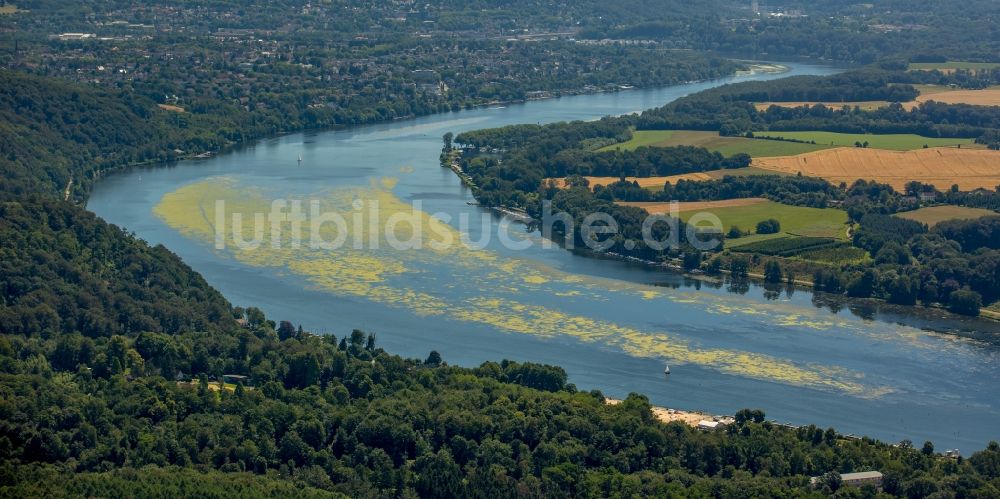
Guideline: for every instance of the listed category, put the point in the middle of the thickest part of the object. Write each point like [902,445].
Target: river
[867,370]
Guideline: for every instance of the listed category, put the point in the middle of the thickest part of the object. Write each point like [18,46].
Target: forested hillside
[55,132]
[66,271]
[341,415]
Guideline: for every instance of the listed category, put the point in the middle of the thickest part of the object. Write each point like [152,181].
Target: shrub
[769,226]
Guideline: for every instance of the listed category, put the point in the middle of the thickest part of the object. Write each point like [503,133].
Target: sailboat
[300,158]
[666,370]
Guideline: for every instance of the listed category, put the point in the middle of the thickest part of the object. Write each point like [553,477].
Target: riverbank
[690,418]
[757,278]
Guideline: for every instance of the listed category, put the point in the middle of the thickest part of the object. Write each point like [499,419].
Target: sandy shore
[670,415]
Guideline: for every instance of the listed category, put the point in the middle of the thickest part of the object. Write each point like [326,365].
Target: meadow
[727,146]
[795,220]
[892,142]
[934,215]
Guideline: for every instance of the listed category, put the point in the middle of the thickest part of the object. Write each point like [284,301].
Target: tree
[692,259]
[434,359]
[255,317]
[769,226]
[438,476]
[862,286]
[772,271]
[965,302]
[744,416]
[928,448]
[286,330]
[739,267]
[832,480]
[448,137]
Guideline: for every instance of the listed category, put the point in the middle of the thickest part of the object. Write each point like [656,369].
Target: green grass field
[727,146]
[835,256]
[895,142]
[932,89]
[929,66]
[749,171]
[934,215]
[795,221]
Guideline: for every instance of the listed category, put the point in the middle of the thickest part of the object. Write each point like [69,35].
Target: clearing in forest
[934,215]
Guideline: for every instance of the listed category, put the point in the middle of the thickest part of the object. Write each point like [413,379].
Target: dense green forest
[329,415]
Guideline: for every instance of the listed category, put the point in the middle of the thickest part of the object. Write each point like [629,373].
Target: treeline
[793,190]
[641,162]
[317,415]
[851,86]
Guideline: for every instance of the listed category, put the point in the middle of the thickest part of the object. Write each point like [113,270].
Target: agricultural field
[943,94]
[870,105]
[788,246]
[934,215]
[745,213]
[952,66]
[942,167]
[657,208]
[985,97]
[727,146]
[836,255]
[893,142]
[657,183]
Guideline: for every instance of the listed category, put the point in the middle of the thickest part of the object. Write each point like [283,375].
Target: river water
[880,371]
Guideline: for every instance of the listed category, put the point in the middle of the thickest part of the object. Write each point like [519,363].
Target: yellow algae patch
[534,279]
[407,169]
[794,320]
[491,283]
[541,321]
[388,183]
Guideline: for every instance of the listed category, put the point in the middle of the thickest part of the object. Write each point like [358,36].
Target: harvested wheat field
[864,105]
[173,109]
[942,167]
[643,182]
[985,97]
[664,208]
